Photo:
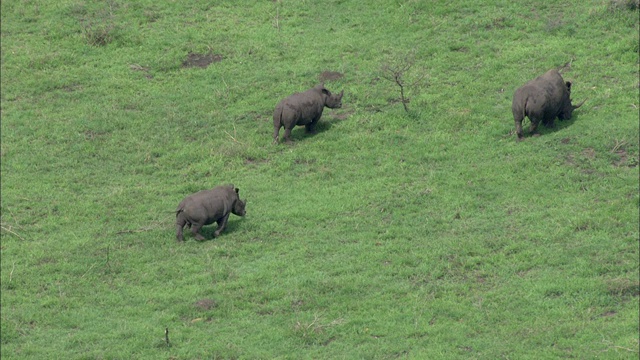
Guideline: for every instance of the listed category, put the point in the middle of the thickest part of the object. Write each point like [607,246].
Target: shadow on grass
[207,231]
[299,133]
[558,125]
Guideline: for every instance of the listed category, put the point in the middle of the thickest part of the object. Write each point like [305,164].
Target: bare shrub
[399,69]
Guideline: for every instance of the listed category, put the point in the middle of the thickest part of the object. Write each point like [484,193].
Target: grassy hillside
[422,234]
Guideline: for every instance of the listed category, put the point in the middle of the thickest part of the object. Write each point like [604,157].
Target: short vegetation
[412,224]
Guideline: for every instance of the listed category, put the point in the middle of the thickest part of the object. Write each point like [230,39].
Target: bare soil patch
[624,288]
[205,304]
[589,153]
[91,135]
[609,313]
[343,115]
[330,76]
[249,160]
[201,60]
[616,5]
[622,160]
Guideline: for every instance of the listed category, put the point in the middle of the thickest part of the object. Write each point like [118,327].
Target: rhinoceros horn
[577,106]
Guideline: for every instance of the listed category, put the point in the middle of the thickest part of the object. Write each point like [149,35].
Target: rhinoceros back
[302,108]
[208,205]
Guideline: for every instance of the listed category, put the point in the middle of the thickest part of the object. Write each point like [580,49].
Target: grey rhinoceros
[542,100]
[206,207]
[303,108]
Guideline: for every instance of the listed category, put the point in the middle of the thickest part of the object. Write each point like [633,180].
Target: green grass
[423,235]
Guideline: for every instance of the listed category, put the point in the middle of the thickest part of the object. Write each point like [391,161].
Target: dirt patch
[201,60]
[343,115]
[254,116]
[462,49]
[249,160]
[589,153]
[304,161]
[624,288]
[205,304]
[297,303]
[616,5]
[622,160]
[145,70]
[72,87]
[565,140]
[330,76]
[609,313]
[582,227]
[91,135]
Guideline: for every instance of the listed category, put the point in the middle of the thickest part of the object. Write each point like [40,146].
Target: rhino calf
[206,207]
[303,109]
[542,100]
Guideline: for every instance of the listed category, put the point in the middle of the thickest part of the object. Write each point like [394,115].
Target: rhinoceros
[542,100]
[303,109]
[206,207]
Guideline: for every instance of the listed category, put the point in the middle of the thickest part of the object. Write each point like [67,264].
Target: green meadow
[425,233]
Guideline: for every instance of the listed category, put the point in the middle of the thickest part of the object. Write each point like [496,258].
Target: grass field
[422,234]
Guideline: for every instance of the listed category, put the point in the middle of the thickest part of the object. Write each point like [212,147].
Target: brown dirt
[330,76]
[145,70]
[91,135]
[201,60]
[623,158]
[297,303]
[624,288]
[589,153]
[251,160]
[343,115]
[205,304]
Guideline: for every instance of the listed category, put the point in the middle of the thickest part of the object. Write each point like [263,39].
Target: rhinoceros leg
[549,122]
[534,126]
[518,116]
[179,236]
[180,222]
[195,230]
[277,123]
[276,132]
[222,223]
[311,127]
[287,134]
[519,128]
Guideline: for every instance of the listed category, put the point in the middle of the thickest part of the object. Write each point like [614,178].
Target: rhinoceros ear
[568,83]
[237,191]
